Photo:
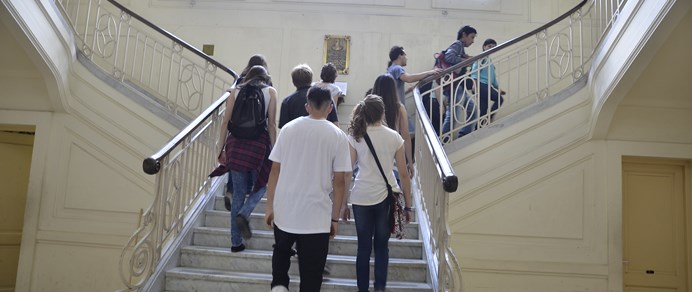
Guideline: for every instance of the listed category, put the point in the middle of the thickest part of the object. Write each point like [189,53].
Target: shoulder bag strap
[372,150]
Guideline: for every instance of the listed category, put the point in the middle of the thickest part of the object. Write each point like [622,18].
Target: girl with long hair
[248,159]
[369,195]
[395,113]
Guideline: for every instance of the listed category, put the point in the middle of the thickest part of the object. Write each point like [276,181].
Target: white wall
[86,185]
[539,206]
[290,32]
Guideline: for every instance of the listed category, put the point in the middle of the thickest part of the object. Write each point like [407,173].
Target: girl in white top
[369,193]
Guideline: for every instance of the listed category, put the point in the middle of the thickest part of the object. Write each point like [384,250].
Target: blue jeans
[239,205]
[372,228]
[468,105]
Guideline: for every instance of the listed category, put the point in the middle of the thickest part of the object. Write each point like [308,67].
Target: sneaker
[279,288]
[227,203]
[239,248]
[244,227]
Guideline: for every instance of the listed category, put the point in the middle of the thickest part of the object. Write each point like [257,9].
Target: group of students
[306,172]
[311,168]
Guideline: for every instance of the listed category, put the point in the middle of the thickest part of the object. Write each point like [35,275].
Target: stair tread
[255,253]
[267,233]
[221,275]
[261,215]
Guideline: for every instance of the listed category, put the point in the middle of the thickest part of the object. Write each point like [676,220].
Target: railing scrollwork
[530,68]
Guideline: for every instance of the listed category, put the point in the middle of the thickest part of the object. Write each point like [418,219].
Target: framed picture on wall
[337,49]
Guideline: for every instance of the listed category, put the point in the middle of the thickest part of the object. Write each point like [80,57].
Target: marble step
[260,261]
[221,219]
[219,205]
[192,279]
[340,245]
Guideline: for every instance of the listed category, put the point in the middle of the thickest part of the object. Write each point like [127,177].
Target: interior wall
[86,184]
[548,215]
[290,32]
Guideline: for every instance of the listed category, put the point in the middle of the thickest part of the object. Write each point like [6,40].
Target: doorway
[654,230]
[16,146]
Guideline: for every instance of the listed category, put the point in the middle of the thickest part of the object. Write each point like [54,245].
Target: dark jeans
[242,184]
[487,94]
[372,228]
[312,256]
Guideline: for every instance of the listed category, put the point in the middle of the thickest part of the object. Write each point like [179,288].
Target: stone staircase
[209,265]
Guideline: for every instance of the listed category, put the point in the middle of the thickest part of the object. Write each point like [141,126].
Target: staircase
[209,265]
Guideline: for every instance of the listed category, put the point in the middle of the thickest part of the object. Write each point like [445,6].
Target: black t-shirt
[293,107]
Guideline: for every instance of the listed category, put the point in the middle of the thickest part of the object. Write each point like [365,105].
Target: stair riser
[222,220]
[338,269]
[260,208]
[178,284]
[336,247]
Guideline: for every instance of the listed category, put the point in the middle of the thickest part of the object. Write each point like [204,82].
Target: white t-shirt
[309,151]
[369,187]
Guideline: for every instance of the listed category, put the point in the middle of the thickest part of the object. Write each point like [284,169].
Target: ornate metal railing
[435,179]
[187,82]
[529,68]
[181,167]
[145,56]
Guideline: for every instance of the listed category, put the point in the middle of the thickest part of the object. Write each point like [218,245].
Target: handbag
[397,218]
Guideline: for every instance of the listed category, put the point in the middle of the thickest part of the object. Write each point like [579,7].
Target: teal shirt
[487,72]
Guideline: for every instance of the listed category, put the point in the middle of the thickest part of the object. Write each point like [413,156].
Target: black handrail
[175,39]
[502,46]
[152,164]
[450,181]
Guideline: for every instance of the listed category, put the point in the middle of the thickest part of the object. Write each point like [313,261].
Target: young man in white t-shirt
[308,152]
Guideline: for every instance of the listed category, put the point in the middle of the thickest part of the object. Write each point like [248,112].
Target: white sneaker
[279,288]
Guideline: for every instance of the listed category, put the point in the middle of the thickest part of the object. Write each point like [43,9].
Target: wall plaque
[337,49]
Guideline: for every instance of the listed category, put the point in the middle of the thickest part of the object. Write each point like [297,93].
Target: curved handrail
[444,166]
[174,38]
[468,62]
[152,164]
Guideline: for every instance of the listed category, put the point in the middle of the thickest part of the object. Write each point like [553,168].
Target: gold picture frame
[337,50]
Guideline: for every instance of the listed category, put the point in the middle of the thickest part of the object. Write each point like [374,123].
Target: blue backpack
[249,117]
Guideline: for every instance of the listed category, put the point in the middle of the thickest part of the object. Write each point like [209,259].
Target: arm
[410,78]
[455,53]
[338,186]
[283,117]
[223,132]
[271,188]
[345,211]
[405,180]
[271,116]
[403,131]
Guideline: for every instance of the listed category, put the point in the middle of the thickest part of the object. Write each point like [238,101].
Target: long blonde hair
[367,112]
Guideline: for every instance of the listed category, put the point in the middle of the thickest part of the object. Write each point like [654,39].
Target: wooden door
[654,251]
[15,157]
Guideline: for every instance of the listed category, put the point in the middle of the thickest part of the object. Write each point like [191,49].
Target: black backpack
[249,116]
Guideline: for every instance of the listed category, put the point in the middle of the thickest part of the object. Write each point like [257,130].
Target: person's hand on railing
[411,170]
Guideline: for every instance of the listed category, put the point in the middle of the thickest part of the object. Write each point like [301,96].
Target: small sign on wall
[337,49]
